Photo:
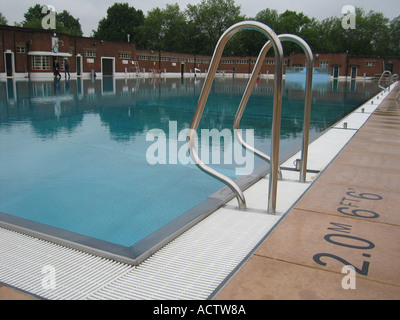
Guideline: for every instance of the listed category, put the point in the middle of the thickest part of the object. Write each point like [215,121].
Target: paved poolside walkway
[350,215]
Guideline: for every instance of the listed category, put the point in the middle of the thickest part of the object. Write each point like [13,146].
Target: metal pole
[308,95]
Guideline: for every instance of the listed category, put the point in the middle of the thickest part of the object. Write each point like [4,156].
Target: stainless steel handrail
[380,79]
[307,105]
[278,77]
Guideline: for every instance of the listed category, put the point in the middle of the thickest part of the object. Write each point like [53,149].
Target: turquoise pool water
[73,154]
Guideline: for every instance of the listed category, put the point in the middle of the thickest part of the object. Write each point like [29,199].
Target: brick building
[345,65]
[152,61]
[32,53]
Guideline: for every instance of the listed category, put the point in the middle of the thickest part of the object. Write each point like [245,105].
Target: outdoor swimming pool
[74,156]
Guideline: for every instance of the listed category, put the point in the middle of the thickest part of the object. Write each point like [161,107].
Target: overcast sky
[90,12]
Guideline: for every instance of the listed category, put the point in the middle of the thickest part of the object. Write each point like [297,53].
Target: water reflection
[132,106]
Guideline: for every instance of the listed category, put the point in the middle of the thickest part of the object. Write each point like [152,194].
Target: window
[40,63]
[323,64]
[142,57]
[21,49]
[242,61]
[164,59]
[370,64]
[153,58]
[269,62]
[90,53]
[228,62]
[125,55]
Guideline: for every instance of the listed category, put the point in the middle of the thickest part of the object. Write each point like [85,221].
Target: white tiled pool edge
[192,266]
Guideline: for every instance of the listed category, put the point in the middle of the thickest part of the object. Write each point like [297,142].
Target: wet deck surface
[349,216]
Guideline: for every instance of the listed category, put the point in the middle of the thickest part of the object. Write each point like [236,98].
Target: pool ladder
[392,79]
[275,172]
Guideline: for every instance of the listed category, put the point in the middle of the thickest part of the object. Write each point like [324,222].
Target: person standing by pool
[56,69]
[66,67]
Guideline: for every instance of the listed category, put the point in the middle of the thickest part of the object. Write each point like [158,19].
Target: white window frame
[90,53]
[40,62]
[324,64]
[21,49]
[125,55]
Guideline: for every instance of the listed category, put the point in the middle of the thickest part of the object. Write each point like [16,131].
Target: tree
[250,42]
[270,17]
[208,20]
[328,36]
[394,37]
[3,20]
[173,29]
[164,30]
[366,38]
[65,22]
[121,21]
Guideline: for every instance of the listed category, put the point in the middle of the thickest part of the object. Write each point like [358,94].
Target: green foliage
[197,29]
[208,20]
[65,22]
[121,21]
[164,30]
[394,37]
[3,20]
[374,35]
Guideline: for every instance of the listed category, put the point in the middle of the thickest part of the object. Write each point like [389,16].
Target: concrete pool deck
[348,213]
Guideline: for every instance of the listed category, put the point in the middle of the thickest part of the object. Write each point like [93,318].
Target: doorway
[9,63]
[336,72]
[107,67]
[353,72]
[182,69]
[78,66]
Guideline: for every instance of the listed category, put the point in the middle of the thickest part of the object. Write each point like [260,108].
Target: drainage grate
[190,267]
